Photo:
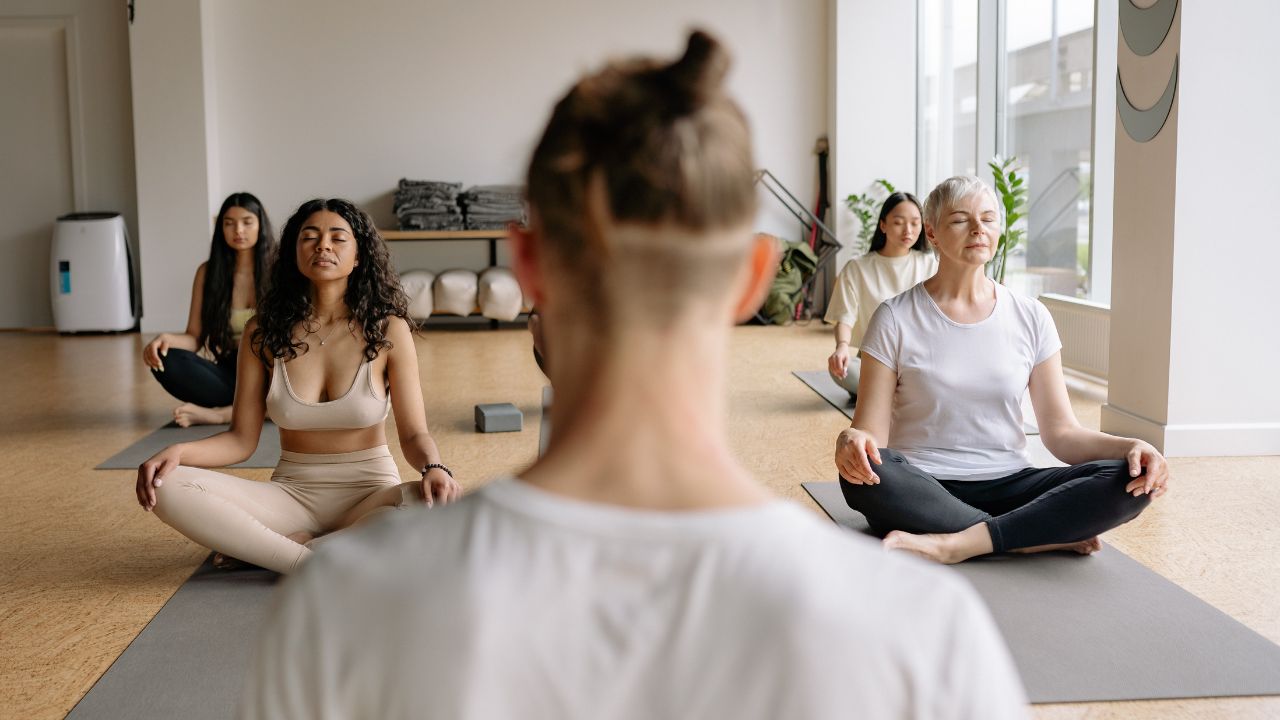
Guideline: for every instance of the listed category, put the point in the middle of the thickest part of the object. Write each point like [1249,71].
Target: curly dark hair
[219,276]
[374,294]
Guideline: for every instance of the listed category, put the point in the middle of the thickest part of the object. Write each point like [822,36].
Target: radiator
[1085,329]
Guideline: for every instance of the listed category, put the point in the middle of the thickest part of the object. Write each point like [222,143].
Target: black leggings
[192,379]
[1036,506]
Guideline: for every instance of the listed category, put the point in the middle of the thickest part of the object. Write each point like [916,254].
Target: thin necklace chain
[331,332]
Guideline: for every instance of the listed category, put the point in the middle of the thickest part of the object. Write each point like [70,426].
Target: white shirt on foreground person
[517,603]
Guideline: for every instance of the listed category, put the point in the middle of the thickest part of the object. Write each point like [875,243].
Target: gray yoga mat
[190,660]
[266,456]
[1104,627]
[820,382]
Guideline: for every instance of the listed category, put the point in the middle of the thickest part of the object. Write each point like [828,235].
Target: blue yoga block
[498,417]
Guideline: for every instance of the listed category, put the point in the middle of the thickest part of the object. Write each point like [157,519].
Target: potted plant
[866,207]
[1012,193]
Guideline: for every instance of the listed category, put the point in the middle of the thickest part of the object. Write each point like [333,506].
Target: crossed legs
[1031,510]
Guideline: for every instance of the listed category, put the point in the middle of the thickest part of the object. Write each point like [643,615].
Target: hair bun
[699,73]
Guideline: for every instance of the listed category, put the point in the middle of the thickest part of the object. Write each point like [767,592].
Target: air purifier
[92,277]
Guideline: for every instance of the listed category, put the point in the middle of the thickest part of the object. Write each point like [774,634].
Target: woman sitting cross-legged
[223,298]
[898,258]
[329,350]
[936,456]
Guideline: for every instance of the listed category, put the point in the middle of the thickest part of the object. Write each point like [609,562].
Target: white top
[957,411]
[868,280]
[517,603]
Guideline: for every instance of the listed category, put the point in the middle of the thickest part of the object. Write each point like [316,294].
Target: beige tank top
[359,407]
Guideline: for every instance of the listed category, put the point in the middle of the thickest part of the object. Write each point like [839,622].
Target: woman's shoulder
[397,325]
[399,332]
[1031,313]
[1020,301]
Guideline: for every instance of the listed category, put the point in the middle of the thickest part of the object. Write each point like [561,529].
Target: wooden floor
[82,568]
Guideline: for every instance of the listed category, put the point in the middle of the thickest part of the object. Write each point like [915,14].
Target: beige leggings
[316,494]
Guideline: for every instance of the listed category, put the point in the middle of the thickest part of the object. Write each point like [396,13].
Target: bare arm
[226,448]
[154,351]
[838,363]
[871,420]
[416,443]
[1073,444]
[844,333]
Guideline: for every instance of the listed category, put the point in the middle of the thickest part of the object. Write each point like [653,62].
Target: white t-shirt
[957,411]
[868,280]
[516,603]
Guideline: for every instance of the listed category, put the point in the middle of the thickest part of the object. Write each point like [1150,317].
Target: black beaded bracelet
[437,465]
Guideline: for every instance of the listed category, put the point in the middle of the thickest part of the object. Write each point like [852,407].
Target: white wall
[328,98]
[102,142]
[1225,344]
[872,103]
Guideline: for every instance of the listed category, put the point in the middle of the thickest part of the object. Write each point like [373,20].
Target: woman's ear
[525,253]
[762,262]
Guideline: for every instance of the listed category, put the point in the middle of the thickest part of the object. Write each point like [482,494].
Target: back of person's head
[879,239]
[641,188]
[951,191]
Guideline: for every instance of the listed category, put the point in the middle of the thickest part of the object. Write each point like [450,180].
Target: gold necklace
[331,332]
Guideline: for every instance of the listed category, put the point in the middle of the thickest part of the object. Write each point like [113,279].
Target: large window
[947,91]
[1039,108]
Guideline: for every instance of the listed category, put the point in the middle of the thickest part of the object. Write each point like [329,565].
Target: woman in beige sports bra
[330,349]
[223,298]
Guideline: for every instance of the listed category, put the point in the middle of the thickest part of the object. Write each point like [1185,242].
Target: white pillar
[873,104]
[172,155]
[1195,344]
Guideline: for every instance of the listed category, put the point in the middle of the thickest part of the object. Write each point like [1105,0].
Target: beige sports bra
[238,319]
[359,407]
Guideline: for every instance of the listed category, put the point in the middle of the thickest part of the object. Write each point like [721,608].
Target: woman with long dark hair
[330,351]
[898,259]
[223,298]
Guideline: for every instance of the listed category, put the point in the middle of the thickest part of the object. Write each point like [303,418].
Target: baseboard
[1195,440]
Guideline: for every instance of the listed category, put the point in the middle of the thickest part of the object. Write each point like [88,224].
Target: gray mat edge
[84,705]
[1219,613]
[253,462]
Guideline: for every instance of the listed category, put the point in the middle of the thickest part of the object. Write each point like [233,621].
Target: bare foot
[1084,547]
[930,547]
[188,414]
[226,562]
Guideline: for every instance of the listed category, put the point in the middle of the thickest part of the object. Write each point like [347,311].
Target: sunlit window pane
[948,95]
[1048,104]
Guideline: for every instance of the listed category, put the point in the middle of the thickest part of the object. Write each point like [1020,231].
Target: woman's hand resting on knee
[439,486]
[855,451]
[153,354]
[838,363]
[151,472]
[1148,469]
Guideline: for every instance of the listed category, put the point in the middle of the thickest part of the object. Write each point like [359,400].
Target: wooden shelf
[492,236]
[420,235]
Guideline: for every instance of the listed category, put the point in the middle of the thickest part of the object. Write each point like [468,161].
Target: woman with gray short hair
[936,456]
